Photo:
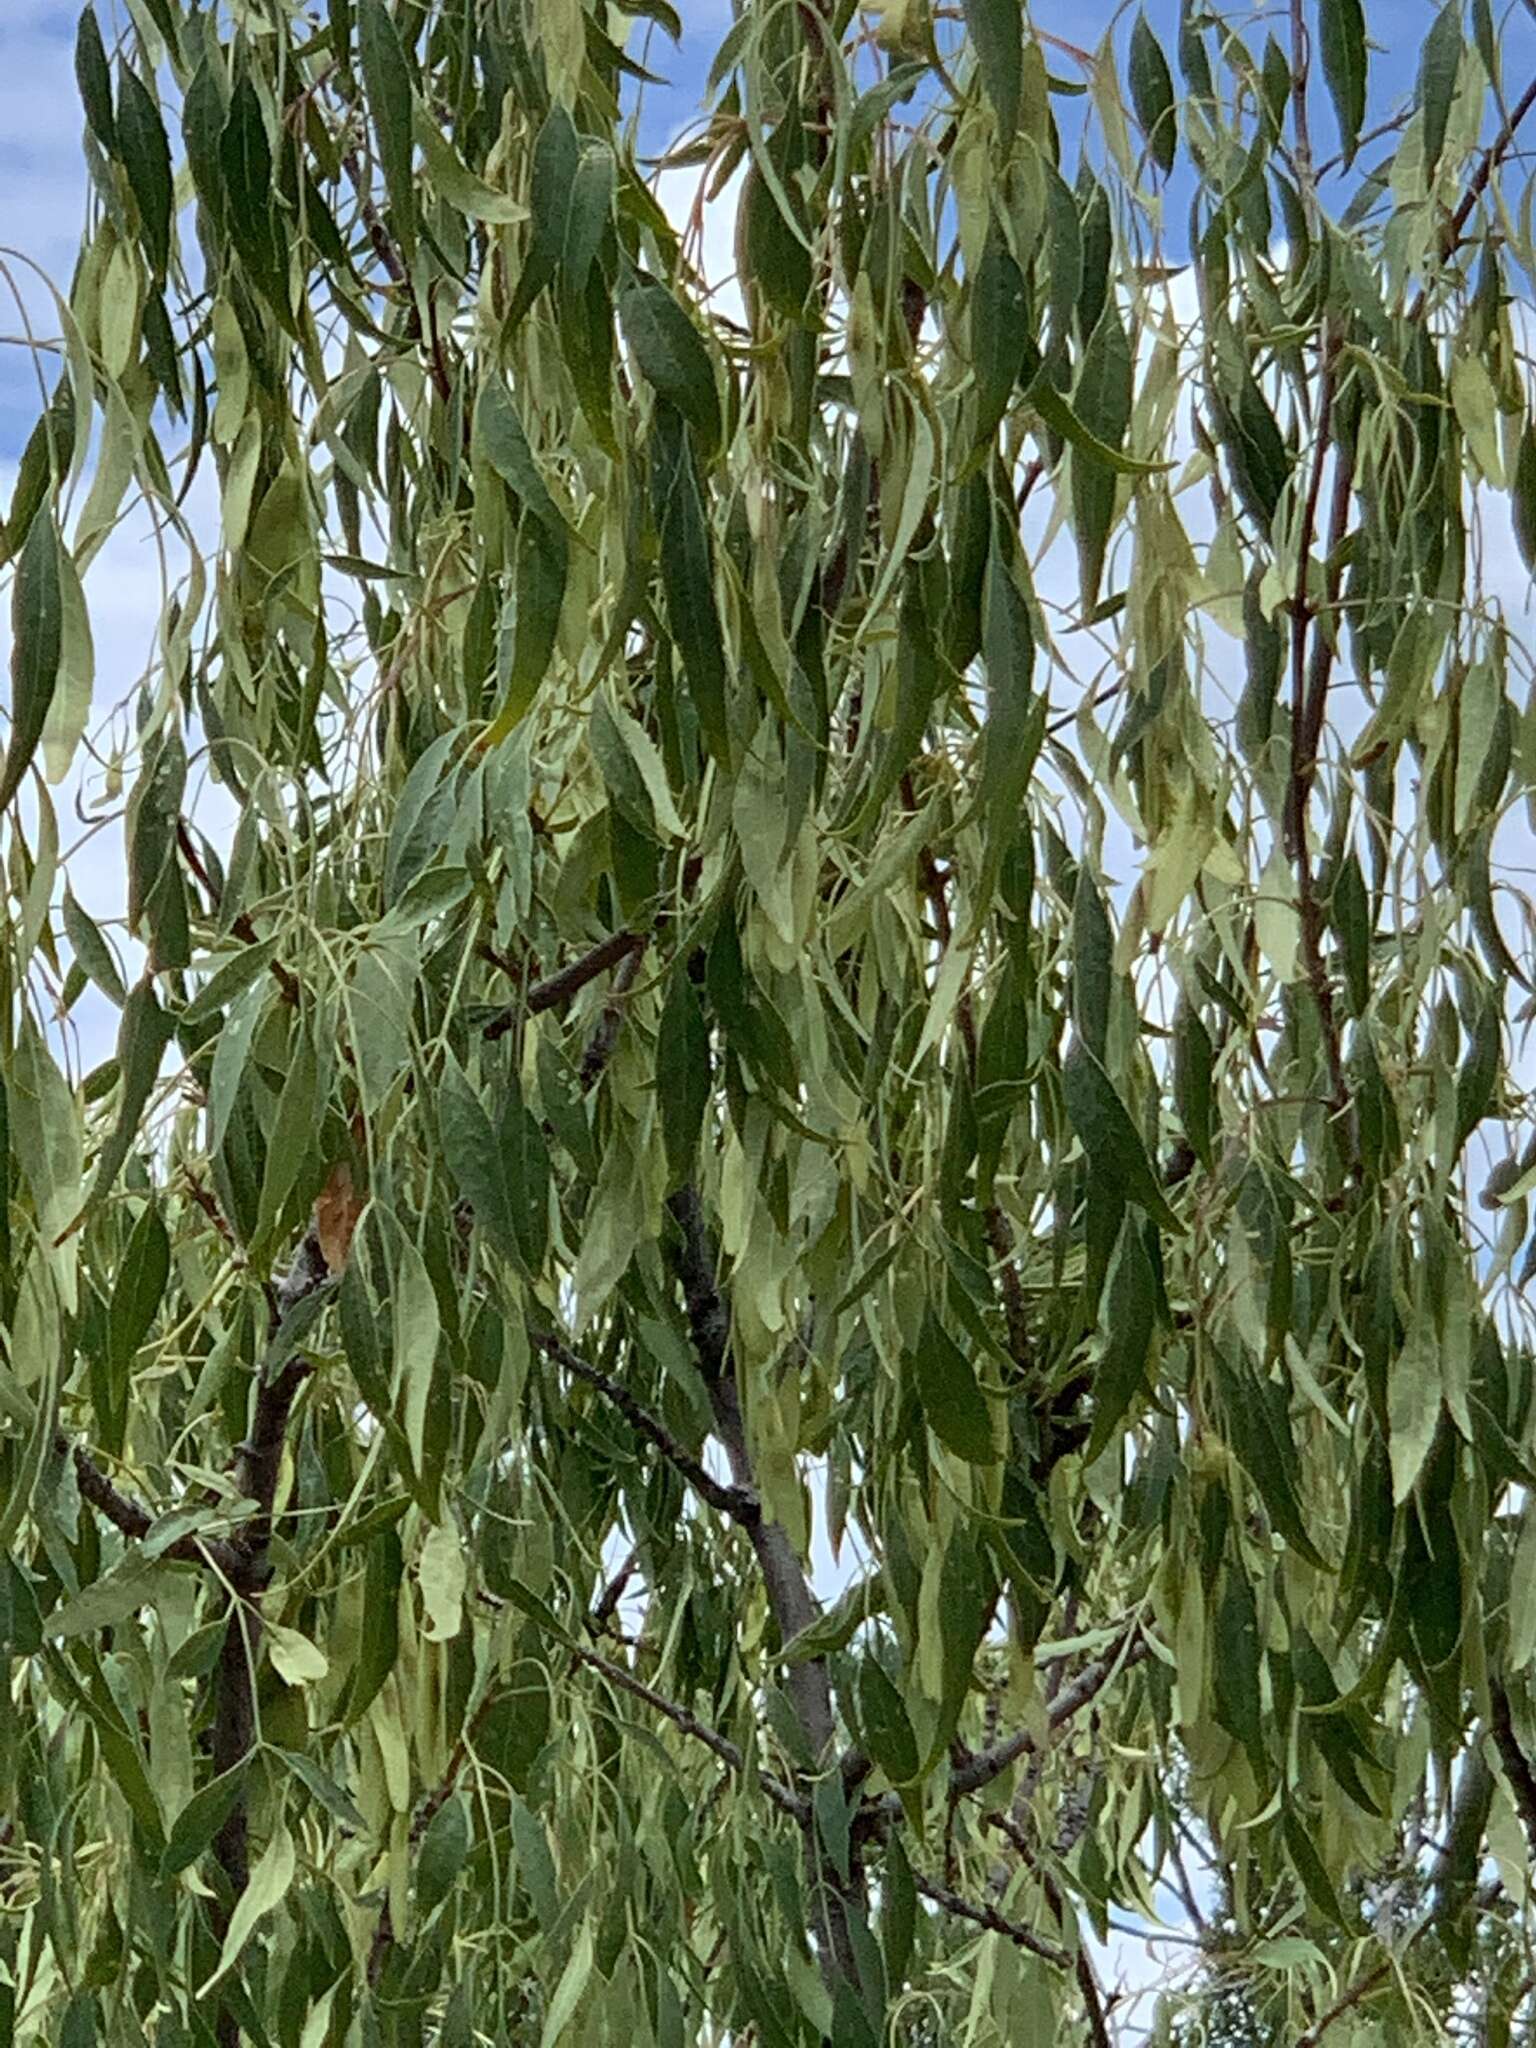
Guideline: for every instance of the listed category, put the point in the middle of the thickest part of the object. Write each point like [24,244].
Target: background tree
[787,1288]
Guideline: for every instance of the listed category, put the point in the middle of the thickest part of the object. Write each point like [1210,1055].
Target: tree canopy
[800,1273]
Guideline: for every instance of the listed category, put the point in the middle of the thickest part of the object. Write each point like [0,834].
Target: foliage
[747,1013]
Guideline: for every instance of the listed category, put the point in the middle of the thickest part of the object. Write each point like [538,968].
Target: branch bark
[1517,1765]
[784,1581]
[987,1764]
[135,1521]
[257,1463]
[738,1503]
[571,979]
[989,1917]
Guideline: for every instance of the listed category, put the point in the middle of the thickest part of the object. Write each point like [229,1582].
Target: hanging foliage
[800,1276]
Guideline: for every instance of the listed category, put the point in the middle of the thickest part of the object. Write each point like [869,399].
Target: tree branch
[1361,1988]
[989,1917]
[987,1764]
[569,981]
[1308,701]
[783,1798]
[134,1520]
[603,1040]
[257,1463]
[1517,1765]
[738,1503]
[789,1594]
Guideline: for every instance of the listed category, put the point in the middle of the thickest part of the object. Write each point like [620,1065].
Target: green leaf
[1152,94]
[147,159]
[1093,964]
[108,1601]
[447,175]
[1256,1409]
[1342,34]
[999,332]
[956,1409]
[1130,1313]
[529,626]
[682,1075]
[37,629]
[1479,1075]
[504,444]
[672,357]
[1101,398]
[885,1725]
[1414,1392]
[556,155]
[475,1158]
[535,1865]
[441,1857]
[418,827]
[1112,1142]
[200,1820]
[1193,1066]
[90,948]
[688,577]
[997,30]
[94,78]
[1061,419]
[387,80]
[1438,66]
[145,1032]
[591,215]
[1310,1867]
[245,171]
[1523,498]
[140,1285]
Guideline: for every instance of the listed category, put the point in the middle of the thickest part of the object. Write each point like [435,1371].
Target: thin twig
[780,1794]
[739,1503]
[1308,701]
[1346,2002]
[607,1604]
[987,1764]
[601,1044]
[990,1918]
[1300,66]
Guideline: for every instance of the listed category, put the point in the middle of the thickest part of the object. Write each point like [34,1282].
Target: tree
[880,925]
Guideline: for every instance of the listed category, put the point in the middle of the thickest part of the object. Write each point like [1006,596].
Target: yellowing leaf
[1275,917]
[268,1887]
[295,1659]
[443,1577]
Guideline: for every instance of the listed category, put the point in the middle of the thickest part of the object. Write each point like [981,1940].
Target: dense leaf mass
[800,1274]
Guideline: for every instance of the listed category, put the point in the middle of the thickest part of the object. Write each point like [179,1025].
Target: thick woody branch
[789,1594]
[134,1520]
[784,1581]
[257,1464]
[739,1503]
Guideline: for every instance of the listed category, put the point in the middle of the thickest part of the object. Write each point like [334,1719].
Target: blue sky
[42,179]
